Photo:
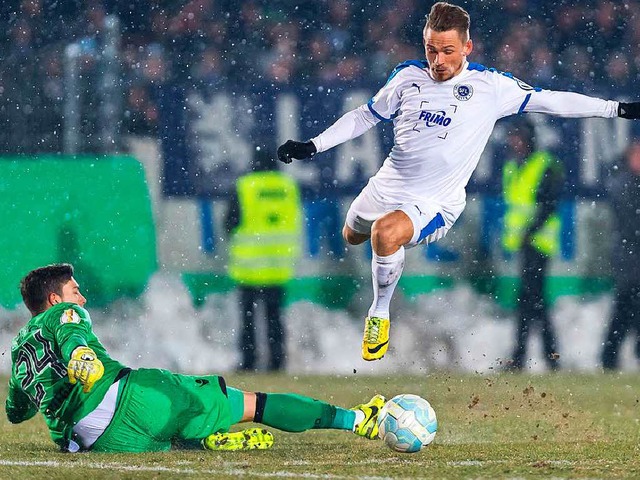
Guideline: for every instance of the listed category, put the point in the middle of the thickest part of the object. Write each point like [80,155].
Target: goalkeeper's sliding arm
[85,367]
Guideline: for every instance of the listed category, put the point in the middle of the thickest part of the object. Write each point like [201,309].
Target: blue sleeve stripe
[524,104]
[476,66]
[408,63]
[376,114]
[399,67]
[482,68]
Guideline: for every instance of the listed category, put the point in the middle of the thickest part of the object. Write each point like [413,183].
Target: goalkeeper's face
[446,52]
[71,293]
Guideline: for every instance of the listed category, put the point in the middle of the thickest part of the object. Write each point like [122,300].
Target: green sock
[344,419]
[296,413]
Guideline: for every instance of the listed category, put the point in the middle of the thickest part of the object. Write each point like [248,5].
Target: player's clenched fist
[298,150]
[85,367]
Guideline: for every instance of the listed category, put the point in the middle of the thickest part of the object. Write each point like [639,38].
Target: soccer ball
[407,423]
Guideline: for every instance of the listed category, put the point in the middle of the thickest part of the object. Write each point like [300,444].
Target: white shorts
[430,223]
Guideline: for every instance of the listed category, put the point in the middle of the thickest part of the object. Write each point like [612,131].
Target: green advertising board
[94,212]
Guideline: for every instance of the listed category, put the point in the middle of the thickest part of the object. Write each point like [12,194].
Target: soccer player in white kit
[443,111]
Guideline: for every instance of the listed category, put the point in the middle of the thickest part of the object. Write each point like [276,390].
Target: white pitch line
[99,466]
[229,471]
[482,463]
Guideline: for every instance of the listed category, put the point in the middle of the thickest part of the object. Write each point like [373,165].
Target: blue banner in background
[208,139]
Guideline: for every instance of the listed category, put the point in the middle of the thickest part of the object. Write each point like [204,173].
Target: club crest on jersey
[463,92]
[433,119]
[69,316]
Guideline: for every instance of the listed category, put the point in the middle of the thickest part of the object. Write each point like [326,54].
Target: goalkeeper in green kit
[93,402]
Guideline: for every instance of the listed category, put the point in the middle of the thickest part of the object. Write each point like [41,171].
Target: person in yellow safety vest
[265,221]
[532,185]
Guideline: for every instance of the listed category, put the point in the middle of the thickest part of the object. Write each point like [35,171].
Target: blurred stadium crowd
[592,46]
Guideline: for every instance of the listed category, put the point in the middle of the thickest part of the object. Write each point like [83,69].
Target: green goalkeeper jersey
[39,382]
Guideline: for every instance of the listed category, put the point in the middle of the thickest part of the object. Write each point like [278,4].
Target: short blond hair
[446,16]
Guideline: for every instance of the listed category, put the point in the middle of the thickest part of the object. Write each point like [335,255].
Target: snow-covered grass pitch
[490,426]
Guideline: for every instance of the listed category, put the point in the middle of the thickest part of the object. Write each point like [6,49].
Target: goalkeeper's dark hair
[36,286]
[446,16]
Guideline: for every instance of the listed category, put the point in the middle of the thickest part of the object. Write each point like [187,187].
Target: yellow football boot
[368,428]
[375,340]
[249,439]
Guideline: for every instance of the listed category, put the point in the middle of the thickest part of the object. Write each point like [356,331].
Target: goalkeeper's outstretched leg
[291,413]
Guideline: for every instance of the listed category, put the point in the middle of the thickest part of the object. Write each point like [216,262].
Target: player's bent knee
[382,226]
[392,230]
[381,237]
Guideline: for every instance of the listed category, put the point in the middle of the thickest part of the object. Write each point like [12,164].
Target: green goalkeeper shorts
[157,408]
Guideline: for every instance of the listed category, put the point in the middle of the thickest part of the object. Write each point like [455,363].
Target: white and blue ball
[407,423]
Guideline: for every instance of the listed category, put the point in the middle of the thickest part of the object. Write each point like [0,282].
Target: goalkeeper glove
[298,150]
[84,367]
[629,110]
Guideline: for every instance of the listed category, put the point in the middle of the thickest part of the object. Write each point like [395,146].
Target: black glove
[298,150]
[629,110]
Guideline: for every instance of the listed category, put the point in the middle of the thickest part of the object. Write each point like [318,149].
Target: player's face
[446,52]
[71,293]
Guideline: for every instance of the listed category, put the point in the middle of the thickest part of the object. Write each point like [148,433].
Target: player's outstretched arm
[576,105]
[570,105]
[629,110]
[351,125]
[298,150]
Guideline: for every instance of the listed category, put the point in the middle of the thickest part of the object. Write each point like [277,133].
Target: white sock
[359,418]
[386,272]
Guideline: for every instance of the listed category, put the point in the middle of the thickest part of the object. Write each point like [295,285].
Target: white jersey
[441,128]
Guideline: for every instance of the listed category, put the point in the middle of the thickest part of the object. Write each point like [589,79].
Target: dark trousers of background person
[273,298]
[625,319]
[532,309]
